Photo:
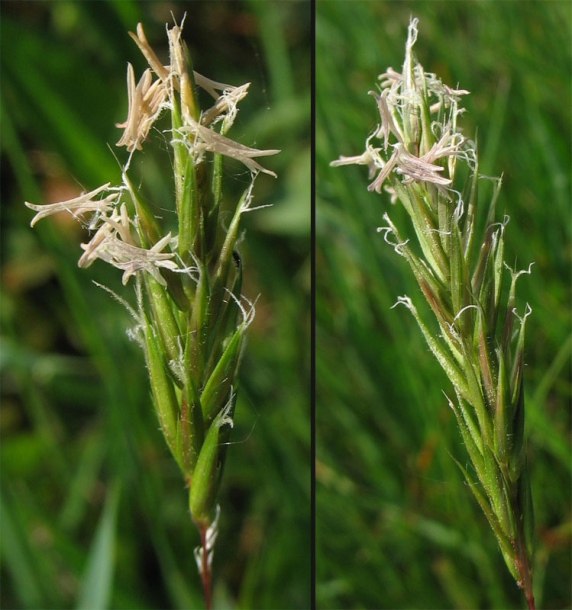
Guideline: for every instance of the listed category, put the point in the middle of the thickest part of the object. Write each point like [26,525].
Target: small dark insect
[237,259]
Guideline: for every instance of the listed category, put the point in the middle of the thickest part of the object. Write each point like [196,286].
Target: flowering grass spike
[419,156]
[191,316]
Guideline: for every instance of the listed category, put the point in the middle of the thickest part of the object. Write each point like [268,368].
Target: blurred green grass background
[93,510]
[396,527]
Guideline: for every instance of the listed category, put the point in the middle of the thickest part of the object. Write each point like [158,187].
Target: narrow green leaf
[96,584]
[19,558]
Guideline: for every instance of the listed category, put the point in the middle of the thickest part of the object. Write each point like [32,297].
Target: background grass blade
[18,558]
[97,581]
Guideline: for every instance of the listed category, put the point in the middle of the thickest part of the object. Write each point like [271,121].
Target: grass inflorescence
[420,157]
[190,313]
